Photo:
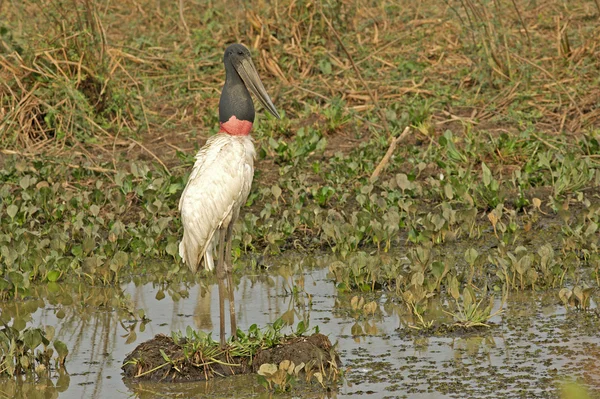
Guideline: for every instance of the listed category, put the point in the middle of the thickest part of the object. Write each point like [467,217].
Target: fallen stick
[386,158]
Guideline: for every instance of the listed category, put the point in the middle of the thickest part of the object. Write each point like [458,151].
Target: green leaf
[403,182]
[77,251]
[276,191]
[487,174]
[62,350]
[453,287]
[53,275]
[469,297]
[278,324]
[164,355]
[11,210]
[32,338]
[471,256]
[49,332]
[300,328]
[172,249]
[121,258]
[24,361]
[437,269]
[25,182]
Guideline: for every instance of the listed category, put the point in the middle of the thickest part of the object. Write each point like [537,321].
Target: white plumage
[216,190]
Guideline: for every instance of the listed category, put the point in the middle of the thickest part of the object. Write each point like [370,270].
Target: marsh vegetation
[480,222]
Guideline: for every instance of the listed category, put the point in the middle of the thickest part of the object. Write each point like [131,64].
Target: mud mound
[146,362]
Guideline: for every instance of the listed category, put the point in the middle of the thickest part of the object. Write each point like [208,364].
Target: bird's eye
[240,52]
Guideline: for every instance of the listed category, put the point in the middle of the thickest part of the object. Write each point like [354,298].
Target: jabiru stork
[221,178]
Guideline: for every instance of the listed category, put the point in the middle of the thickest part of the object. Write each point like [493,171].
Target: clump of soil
[146,362]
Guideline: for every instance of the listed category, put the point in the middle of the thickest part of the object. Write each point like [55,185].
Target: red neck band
[236,127]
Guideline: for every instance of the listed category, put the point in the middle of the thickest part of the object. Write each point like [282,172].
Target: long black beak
[245,68]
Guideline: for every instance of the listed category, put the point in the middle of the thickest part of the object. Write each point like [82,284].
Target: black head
[241,76]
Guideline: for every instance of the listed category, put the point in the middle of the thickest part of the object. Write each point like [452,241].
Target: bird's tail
[192,254]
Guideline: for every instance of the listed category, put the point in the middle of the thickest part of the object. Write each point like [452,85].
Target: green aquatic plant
[471,310]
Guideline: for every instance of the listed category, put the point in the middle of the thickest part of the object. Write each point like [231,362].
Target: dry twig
[386,158]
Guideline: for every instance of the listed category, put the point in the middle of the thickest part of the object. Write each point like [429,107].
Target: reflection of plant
[578,297]
[282,377]
[28,350]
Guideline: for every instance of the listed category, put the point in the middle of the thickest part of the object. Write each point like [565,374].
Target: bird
[221,178]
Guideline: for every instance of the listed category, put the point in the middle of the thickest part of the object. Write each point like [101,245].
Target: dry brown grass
[99,74]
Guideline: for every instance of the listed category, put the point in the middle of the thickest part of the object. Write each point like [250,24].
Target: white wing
[218,186]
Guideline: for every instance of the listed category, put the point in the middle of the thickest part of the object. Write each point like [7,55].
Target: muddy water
[532,346]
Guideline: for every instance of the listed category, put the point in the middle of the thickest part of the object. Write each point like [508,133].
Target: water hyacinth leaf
[356,329]
[49,332]
[403,182]
[285,365]
[94,210]
[453,287]
[471,256]
[448,191]
[24,361]
[370,308]
[591,229]
[278,324]
[354,303]
[299,368]
[487,174]
[32,338]
[62,351]
[301,328]
[53,276]
[88,245]
[546,253]
[264,382]
[288,317]
[121,258]
[276,191]
[16,278]
[12,210]
[417,279]
[172,249]
[25,182]
[469,297]
[63,381]
[267,369]
[5,285]
[131,337]
[437,269]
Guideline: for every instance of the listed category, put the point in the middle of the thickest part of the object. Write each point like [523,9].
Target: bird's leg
[221,280]
[229,269]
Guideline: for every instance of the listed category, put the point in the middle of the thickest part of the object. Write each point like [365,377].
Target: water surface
[529,349]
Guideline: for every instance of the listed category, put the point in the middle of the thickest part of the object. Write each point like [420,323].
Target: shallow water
[532,346]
